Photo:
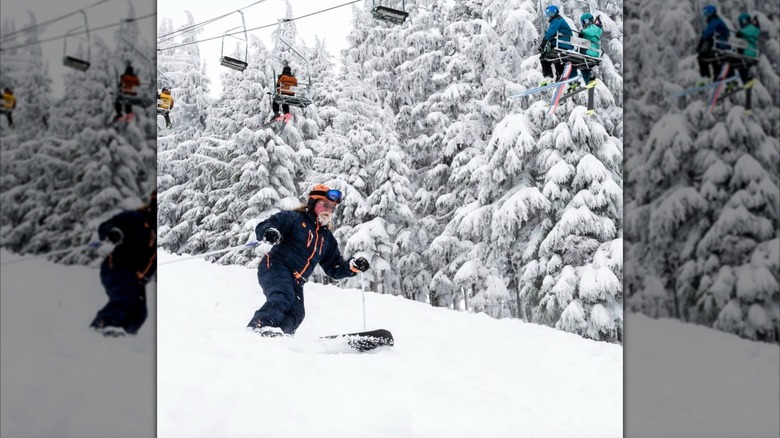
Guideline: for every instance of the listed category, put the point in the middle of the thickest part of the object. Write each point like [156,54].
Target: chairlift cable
[162,38]
[257,28]
[107,26]
[53,20]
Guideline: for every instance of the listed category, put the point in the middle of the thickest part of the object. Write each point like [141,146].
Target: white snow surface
[685,380]
[60,379]
[450,374]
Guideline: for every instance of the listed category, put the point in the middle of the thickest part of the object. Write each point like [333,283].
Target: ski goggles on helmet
[331,195]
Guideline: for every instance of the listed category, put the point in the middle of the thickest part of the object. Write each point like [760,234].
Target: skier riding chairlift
[559,46]
[165,105]
[9,104]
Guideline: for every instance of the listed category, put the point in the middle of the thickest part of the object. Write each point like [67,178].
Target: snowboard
[365,341]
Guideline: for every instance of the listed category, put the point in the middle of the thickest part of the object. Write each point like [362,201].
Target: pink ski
[560,90]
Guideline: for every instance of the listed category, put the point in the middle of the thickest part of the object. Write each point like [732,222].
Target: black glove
[359,263]
[272,236]
[114,235]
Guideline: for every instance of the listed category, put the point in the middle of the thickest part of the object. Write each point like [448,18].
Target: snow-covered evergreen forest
[66,166]
[703,190]
[458,197]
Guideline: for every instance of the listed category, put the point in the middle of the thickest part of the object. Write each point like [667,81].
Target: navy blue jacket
[557,25]
[716,29]
[138,250]
[304,244]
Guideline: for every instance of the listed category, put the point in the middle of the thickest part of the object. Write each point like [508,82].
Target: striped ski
[724,71]
[560,90]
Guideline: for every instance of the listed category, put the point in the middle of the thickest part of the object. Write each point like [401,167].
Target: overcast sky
[331,26]
[104,14]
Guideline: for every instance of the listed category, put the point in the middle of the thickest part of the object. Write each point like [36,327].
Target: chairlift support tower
[72,61]
[230,62]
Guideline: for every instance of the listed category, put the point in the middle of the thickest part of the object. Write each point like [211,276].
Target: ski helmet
[166,90]
[551,11]
[586,19]
[744,19]
[287,70]
[709,11]
[321,192]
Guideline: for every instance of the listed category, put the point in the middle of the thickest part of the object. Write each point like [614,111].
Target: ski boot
[731,86]
[545,82]
[264,330]
[702,82]
[573,87]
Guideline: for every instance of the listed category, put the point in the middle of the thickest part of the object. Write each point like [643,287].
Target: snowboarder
[557,26]
[127,84]
[715,36]
[9,104]
[166,105]
[591,31]
[125,272]
[301,238]
[750,32]
[283,84]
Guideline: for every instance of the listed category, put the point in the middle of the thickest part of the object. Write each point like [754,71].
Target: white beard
[324,218]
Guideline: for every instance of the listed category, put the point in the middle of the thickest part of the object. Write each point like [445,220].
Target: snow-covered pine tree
[59,186]
[701,206]
[26,72]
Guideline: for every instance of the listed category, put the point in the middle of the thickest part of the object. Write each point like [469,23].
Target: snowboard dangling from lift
[365,341]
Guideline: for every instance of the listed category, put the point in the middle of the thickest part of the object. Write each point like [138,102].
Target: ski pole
[27,259]
[363,287]
[246,245]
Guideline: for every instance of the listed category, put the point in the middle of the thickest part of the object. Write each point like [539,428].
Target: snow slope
[450,374]
[60,379]
[687,380]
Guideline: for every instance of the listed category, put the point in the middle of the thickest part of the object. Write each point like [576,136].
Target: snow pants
[283,306]
[547,69]
[126,306]
[118,108]
[285,108]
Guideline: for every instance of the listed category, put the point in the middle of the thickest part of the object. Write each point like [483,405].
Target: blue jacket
[716,29]
[137,252]
[304,244]
[558,25]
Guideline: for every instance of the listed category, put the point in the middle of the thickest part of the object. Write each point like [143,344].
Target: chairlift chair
[230,62]
[301,98]
[386,13]
[72,61]
[734,51]
[573,51]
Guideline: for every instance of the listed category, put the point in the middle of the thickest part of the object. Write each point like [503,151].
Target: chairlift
[72,61]
[301,98]
[230,62]
[386,13]
[572,51]
[735,51]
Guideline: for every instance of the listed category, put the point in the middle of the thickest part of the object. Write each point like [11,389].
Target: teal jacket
[592,33]
[750,33]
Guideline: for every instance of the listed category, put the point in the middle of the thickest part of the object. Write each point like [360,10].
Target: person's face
[324,211]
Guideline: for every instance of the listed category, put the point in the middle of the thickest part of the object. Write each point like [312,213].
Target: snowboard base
[365,341]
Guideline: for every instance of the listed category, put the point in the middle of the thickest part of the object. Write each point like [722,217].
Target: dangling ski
[724,71]
[284,118]
[693,90]
[589,88]
[560,90]
[544,87]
